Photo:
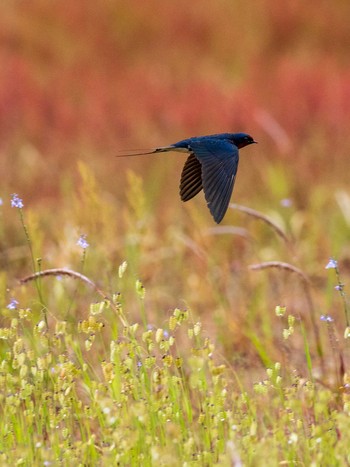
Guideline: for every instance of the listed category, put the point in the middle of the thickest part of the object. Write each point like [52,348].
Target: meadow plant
[110,389]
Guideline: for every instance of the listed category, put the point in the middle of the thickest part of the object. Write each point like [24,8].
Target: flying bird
[211,166]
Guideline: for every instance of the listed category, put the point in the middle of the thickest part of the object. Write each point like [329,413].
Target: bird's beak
[255,142]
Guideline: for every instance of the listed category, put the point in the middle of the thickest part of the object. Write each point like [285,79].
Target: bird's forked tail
[152,151]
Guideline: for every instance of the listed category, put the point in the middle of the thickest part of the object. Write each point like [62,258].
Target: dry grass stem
[259,215]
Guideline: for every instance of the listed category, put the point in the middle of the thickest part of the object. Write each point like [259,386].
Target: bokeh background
[83,81]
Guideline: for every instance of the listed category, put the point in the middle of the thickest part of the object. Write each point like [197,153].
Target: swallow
[211,166]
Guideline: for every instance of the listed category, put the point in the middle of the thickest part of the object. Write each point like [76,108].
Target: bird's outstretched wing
[191,178]
[219,164]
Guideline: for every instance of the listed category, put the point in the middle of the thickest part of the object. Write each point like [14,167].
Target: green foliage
[120,381]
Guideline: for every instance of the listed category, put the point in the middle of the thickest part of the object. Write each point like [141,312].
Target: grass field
[134,330]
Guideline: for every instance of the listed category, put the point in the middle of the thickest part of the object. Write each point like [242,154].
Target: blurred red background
[84,79]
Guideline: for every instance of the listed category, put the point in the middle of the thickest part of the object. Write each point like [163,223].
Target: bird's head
[242,139]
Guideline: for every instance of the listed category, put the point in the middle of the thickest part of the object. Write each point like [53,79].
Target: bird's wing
[219,164]
[191,178]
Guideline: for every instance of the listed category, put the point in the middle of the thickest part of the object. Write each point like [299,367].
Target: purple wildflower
[13,304]
[286,202]
[16,201]
[82,242]
[332,264]
[327,318]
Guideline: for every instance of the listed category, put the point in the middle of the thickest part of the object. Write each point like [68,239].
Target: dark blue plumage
[212,166]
